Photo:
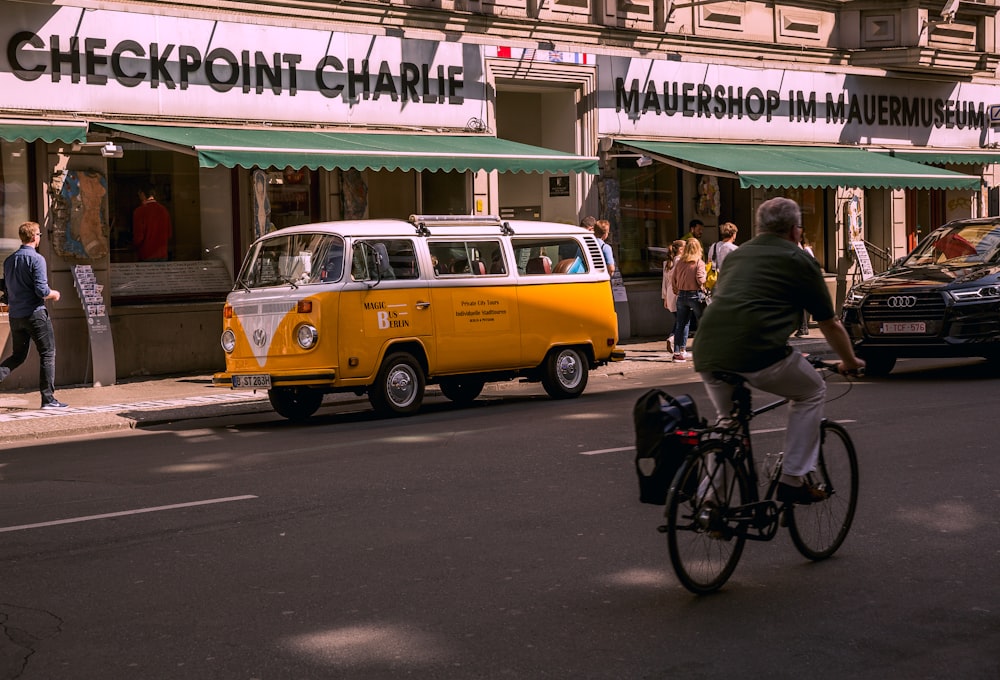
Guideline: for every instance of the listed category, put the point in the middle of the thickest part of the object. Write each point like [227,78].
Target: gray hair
[778,216]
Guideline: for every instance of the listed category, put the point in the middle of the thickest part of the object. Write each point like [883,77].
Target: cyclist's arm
[840,342]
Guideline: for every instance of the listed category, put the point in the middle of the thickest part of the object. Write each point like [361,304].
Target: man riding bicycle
[756,305]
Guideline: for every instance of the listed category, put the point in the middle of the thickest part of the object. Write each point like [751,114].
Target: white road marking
[594,453]
[138,511]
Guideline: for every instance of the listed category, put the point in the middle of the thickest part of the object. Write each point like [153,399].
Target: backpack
[666,431]
[711,269]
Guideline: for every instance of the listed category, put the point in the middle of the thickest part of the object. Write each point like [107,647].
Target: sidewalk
[146,401]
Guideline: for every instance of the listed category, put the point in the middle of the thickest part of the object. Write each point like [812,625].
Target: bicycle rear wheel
[704,544]
[819,529]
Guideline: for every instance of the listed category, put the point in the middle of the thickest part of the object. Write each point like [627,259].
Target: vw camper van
[386,307]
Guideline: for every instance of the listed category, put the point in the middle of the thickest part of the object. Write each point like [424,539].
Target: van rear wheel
[295,403]
[399,387]
[461,389]
[565,372]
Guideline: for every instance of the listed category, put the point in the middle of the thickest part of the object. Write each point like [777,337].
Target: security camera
[643,161]
[110,150]
[949,10]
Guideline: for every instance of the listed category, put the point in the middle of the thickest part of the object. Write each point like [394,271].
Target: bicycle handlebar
[819,362]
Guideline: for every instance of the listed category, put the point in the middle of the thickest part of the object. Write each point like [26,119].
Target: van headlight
[228,341]
[306,335]
[975,294]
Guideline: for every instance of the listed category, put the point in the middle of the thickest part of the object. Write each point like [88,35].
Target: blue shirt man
[27,286]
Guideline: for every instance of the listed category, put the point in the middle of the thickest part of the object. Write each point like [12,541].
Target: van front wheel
[399,387]
[295,403]
[564,374]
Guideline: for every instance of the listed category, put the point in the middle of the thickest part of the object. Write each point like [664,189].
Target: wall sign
[713,101]
[70,58]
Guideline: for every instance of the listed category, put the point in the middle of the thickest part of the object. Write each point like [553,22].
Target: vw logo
[901,301]
[259,337]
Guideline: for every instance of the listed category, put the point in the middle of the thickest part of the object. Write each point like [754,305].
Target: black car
[941,300]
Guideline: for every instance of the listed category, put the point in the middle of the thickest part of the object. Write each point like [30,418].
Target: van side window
[385,259]
[467,258]
[562,255]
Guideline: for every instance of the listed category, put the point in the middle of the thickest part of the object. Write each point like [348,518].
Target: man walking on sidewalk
[27,290]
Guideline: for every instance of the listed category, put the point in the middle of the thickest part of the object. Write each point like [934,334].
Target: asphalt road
[504,540]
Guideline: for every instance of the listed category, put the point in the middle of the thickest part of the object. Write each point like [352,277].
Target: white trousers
[795,379]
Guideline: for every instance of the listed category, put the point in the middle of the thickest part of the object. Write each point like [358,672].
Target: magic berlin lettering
[178,66]
[700,100]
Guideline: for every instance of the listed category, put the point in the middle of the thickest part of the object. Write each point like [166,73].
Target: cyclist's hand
[856,366]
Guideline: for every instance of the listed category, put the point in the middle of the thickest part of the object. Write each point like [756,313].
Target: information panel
[102,347]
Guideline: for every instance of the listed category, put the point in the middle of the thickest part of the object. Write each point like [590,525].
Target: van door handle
[423,305]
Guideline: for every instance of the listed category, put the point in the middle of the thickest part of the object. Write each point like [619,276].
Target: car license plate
[256,382]
[904,327]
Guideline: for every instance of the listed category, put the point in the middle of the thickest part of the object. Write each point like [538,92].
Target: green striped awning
[46,131]
[247,148]
[946,156]
[764,165]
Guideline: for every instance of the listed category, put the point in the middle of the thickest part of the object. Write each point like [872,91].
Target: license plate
[256,382]
[905,327]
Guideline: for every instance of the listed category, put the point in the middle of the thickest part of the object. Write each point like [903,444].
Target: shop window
[443,193]
[185,265]
[648,200]
[14,195]
[292,196]
[812,203]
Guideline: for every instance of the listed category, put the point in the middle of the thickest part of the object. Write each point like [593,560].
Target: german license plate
[904,327]
[255,382]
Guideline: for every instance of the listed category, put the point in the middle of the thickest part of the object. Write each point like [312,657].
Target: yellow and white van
[388,306]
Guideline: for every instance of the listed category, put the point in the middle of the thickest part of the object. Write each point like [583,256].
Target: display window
[159,249]
[14,194]
[648,204]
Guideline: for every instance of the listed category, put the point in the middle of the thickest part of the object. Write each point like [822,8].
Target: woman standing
[688,280]
[666,288]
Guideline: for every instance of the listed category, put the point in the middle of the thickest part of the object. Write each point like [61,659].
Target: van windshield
[293,260]
[966,244]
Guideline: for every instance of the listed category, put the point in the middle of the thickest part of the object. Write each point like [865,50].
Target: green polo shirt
[757,304]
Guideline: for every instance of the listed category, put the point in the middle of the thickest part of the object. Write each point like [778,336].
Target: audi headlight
[306,335]
[854,298]
[975,294]
[228,341]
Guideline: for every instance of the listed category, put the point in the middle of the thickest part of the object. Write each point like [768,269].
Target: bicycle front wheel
[705,543]
[819,529]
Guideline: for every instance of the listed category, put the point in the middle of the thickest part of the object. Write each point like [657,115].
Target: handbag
[711,269]
[711,276]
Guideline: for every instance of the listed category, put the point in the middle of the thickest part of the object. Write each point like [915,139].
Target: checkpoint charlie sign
[66,58]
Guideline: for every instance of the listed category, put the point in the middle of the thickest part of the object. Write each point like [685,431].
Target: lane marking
[594,453]
[139,511]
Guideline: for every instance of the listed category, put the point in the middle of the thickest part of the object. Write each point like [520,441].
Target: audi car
[941,300]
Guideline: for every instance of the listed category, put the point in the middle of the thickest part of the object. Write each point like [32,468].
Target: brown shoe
[800,495]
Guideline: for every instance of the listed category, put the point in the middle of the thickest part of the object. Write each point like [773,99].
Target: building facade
[246,117]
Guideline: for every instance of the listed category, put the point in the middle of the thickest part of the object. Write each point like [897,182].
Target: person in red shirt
[151,228]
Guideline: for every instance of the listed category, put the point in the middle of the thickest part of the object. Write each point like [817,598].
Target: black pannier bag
[659,450]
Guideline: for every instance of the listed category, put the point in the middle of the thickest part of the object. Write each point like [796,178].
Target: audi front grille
[880,307]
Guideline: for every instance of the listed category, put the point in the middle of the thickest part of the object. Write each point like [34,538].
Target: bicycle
[713,506]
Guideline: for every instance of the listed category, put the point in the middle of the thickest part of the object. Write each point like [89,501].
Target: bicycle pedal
[783,521]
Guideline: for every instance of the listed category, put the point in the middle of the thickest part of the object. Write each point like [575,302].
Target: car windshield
[293,260]
[966,244]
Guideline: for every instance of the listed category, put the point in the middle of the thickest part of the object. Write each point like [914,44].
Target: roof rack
[423,222]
